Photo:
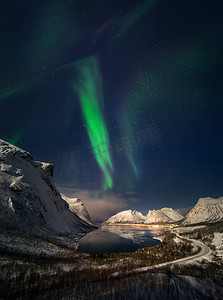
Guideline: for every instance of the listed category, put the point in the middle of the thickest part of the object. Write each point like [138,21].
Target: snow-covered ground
[187,229]
[218,243]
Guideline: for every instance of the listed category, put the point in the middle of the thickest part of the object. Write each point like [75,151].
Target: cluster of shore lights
[142,225]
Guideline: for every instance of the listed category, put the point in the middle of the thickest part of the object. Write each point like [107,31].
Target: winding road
[204,251]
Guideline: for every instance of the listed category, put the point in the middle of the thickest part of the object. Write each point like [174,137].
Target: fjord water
[117,239]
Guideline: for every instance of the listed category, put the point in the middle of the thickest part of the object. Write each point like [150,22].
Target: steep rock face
[77,206]
[163,215]
[127,216]
[207,210]
[29,201]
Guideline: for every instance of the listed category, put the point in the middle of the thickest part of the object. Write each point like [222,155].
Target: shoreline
[141,225]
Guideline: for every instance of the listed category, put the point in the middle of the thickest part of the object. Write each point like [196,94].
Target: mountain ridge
[29,200]
[77,206]
[206,210]
[163,215]
[127,216]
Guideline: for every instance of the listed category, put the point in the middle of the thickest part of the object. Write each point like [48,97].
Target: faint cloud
[130,193]
[100,209]
[133,200]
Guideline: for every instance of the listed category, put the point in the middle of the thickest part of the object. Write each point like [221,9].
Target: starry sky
[123,97]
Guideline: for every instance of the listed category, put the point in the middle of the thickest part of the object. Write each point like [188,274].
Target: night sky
[124,97]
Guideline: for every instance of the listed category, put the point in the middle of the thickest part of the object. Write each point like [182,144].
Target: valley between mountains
[40,230]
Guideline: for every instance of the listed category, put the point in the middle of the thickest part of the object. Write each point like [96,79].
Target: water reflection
[116,239]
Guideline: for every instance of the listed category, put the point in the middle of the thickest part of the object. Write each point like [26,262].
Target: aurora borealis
[89,89]
[124,97]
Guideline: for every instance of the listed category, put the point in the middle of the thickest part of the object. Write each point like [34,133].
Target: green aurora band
[14,140]
[89,90]
[12,92]
[128,148]
[135,15]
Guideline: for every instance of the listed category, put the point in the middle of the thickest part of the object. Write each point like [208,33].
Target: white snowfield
[207,210]
[164,215]
[29,201]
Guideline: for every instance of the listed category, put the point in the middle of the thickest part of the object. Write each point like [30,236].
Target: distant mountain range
[207,210]
[29,200]
[164,215]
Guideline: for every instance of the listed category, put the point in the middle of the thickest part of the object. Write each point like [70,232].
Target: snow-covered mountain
[127,216]
[77,206]
[207,210]
[29,201]
[163,215]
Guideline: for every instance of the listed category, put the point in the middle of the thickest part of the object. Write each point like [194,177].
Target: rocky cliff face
[207,210]
[29,200]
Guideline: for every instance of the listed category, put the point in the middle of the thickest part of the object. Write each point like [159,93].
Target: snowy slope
[155,216]
[163,215]
[207,210]
[127,216]
[171,214]
[29,201]
[77,206]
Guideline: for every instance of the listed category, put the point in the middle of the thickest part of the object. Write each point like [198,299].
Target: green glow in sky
[135,15]
[11,92]
[15,139]
[128,147]
[89,90]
